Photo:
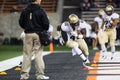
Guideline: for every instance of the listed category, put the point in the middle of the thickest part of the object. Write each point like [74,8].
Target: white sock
[78,51]
[83,57]
[103,48]
[73,52]
[113,49]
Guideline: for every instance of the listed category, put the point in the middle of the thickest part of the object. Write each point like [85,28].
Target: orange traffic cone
[51,47]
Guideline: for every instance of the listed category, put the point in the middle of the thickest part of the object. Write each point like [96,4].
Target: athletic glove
[62,42]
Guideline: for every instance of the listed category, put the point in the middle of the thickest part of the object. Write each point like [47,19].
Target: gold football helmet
[73,18]
[101,12]
[109,9]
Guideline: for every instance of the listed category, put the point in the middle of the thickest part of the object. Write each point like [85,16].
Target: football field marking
[10,63]
[96,58]
[106,69]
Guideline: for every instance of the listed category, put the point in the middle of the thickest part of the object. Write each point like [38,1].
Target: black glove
[72,37]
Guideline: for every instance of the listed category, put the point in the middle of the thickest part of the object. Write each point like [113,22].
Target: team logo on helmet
[73,18]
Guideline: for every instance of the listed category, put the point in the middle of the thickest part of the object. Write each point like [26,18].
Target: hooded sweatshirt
[33,19]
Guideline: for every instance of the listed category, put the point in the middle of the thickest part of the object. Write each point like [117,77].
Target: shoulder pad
[66,23]
[82,21]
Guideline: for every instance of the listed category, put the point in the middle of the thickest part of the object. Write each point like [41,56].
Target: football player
[98,20]
[109,24]
[75,29]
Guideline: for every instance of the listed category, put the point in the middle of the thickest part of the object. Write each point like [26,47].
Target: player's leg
[102,38]
[74,45]
[83,46]
[112,41]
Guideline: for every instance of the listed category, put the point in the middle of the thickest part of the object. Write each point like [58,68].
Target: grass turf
[10,51]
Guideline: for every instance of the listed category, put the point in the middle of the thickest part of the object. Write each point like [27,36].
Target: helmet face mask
[109,12]
[74,24]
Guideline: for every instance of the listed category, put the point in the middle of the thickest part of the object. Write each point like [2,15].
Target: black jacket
[39,21]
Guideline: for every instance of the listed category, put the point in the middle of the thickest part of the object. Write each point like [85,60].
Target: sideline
[10,63]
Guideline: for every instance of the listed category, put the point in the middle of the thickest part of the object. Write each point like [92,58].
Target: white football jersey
[109,19]
[50,28]
[68,29]
[99,21]
[88,29]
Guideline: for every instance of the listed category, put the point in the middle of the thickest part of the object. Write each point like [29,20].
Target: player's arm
[103,23]
[95,27]
[83,32]
[115,22]
[64,26]
[115,19]
[83,28]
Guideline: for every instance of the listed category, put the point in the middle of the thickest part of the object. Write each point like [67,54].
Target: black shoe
[86,64]
[111,58]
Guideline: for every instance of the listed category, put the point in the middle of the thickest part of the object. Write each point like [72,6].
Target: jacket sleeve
[45,21]
[22,20]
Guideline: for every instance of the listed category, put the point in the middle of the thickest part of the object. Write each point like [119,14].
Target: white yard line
[10,63]
[112,72]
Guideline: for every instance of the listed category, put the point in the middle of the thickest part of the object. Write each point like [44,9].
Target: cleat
[103,57]
[86,64]
[86,69]
[111,58]
[42,77]
[95,48]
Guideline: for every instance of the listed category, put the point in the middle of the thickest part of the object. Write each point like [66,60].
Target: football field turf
[59,66]
[64,66]
[11,51]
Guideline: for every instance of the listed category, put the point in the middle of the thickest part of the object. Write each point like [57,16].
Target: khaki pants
[101,37]
[80,43]
[111,36]
[31,41]
[83,46]
[108,35]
